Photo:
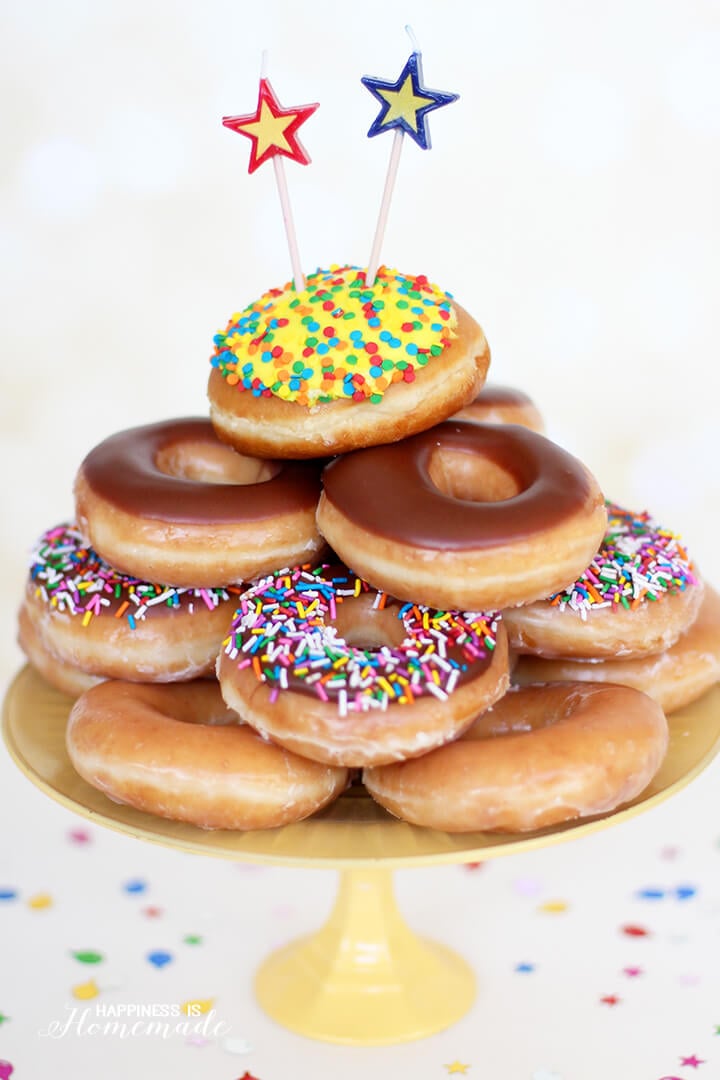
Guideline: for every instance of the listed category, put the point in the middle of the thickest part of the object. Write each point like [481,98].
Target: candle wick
[413,40]
[264,61]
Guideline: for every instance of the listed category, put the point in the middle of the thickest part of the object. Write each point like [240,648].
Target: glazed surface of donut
[502,405]
[464,515]
[673,678]
[637,596]
[170,502]
[178,752]
[342,366]
[541,755]
[87,615]
[341,673]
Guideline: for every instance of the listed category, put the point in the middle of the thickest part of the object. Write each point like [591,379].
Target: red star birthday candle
[272,130]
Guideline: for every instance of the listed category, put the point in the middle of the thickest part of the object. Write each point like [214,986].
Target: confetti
[610,999]
[524,968]
[135,886]
[4,1019]
[692,1062]
[632,972]
[159,959]
[528,886]
[457,1067]
[8,894]
[631,930]
[79,836]
[554,907]
[6,1070]
[152,912]
[88,957]
[338,339]
[86,991]
[192,939]
[40,902]
[197,1040]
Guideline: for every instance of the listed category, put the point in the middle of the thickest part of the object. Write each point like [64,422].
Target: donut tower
[366,566]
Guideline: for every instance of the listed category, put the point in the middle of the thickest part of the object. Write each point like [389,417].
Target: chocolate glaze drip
[123,470]
[387,490]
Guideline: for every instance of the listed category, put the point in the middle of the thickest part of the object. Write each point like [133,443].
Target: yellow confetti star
[403,103]
[457,1067]
[40,901]
[553,907]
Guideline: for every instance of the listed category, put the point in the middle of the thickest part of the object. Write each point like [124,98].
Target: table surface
[108,944]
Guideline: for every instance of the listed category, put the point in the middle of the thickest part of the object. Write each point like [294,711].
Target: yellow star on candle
[272,129]
[403,103]
[457,1067]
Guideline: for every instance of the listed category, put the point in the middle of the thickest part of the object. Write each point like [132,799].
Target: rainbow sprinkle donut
[640,592]
[339,339]
[291,641]
[83,612]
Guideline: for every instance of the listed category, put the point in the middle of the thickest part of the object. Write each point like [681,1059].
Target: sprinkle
[337,339]
[285,622]
[74,580]
[638,560]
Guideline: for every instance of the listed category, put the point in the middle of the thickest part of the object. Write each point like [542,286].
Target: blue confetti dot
[651,894]
[685,892]
[159,959]
[524,968]
[7,894]
[135,886]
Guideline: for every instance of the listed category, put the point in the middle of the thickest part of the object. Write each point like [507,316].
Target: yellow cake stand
[364,978]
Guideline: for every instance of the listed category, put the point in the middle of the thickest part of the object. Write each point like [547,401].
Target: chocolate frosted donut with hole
[169,502]
[342,673]
[464,515]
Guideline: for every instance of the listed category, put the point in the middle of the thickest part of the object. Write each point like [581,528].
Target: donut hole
[213,464]
[463,475]
[364,627]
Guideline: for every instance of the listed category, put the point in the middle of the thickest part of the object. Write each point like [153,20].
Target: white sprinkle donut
[637,596]
[86,617]
[540,756]
[177,752]
[334,670]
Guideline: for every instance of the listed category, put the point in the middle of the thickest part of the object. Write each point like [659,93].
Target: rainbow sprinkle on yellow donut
[337,339]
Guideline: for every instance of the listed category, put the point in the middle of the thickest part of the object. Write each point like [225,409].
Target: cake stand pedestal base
[365,978]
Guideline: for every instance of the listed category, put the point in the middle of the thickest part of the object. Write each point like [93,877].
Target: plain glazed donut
[334,670]
[171,503]
[502,405]
[673,678]
[177,752]
[464,516]
[637,596]
[342,365]
[540,756]
[87,615]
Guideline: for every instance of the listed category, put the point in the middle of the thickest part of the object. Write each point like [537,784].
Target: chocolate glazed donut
[169,502]
[464,515]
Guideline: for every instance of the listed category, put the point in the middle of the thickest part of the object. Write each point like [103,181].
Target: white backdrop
[570,202]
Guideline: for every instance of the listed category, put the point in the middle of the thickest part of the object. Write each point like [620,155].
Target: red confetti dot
[371,347]
[329,331]
[276,351]
[282,322]
[328,305]
[635,931]
[308,351]
[408,375]
[407,327]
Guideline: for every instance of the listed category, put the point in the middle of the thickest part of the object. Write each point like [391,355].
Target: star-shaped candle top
[406,102]
[272,129]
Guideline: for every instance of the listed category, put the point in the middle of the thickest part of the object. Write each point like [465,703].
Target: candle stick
[405,105]
[273,131]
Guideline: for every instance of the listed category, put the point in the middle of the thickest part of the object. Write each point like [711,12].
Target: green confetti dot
[88,957]
[192,939]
